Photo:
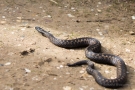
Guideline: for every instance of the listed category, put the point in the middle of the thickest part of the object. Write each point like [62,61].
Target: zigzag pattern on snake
[93,53]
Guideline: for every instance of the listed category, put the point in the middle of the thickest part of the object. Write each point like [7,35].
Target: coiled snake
[93,53]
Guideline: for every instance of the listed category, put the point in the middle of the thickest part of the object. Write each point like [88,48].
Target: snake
[93,53]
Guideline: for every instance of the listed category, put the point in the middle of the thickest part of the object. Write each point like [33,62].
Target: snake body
[93,53]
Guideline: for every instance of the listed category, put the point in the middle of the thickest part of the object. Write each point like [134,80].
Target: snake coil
[93,53]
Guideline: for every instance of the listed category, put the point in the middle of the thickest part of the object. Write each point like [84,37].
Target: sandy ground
[28,61]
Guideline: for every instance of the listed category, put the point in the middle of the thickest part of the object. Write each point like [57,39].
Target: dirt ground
[29,61]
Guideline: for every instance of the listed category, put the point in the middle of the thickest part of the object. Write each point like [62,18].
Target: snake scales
[93,53]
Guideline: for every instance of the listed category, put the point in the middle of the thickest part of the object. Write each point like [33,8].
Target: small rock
[31,50]
[61,66]
[49,16]
[132,33]
[82,71]
[91,88]
[70,15]
[113,77]
[99,3]
[27,70]
[133,17]
[3,17]
[67,88]
[98,10]
[72,8]
[19,18]
[55,78]
[54,1]
[106,71]
[127,50]
[19,45]
[81,89]
[8,63]
[100,33]
[3,22]
[24,53]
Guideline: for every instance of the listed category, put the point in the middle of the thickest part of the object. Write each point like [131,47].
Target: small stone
[100,33]
[3,22]
[70,15]
[27,70]
[99,3]
[106,71]
[133,17]
[72,8]
[55,78]
[61,66]
[132,33]
[8,63]
[91,88]
[54,1]
[67,73]
[98,10]
[19,18]
[49,16]
[24,53]
[127,50]
[23,29]
[81,89]
[81,71]
[67,88]
[12,32]
[3,17]
[19,45]
[113,77]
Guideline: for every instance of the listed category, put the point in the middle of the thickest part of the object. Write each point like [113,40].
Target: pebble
[82,71]
[49,16]
[54,1]
[106,71]
[81,89]
[55,78]
[19,45]
[70,15]
[98,10]
[133,17]
[127,50]
[3,22]
[131,33]
[100,33]
[3,17]
[67,88]
[113,77]
[8,63]
[27,70]
[91,88]
[19,18]
[23,29]
[99,3]
[61,66]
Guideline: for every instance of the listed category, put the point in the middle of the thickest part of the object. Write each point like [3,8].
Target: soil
[29,61]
